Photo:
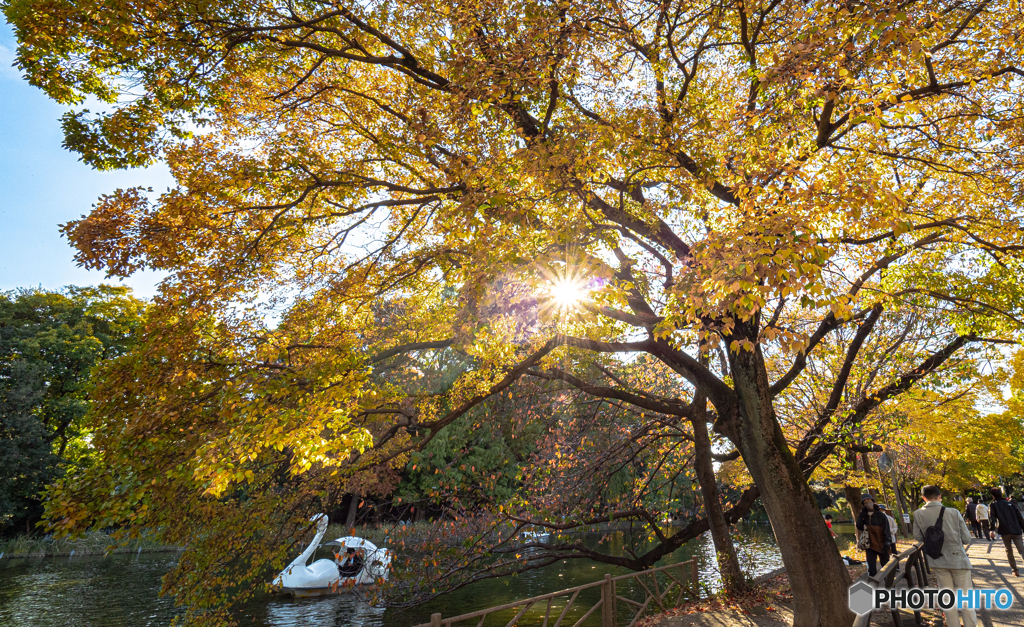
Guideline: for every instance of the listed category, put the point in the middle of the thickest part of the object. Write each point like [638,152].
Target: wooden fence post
[693,578]
[435,620]
[608,602]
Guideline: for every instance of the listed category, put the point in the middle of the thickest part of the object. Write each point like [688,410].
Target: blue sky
[43,185]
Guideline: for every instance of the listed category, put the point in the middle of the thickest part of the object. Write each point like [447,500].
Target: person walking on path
[971,515]
[893,529]
[953,568]
[982,513]
[1010,524]
[1011,500]
[872,519]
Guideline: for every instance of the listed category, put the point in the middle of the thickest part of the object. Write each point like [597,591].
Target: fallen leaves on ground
[767,594]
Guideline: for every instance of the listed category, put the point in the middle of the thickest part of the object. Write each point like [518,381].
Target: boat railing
[678,583]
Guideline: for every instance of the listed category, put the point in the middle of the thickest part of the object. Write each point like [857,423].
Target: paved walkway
[991,570]
[778,616]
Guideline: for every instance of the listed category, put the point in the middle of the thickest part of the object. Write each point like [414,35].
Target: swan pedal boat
[329,576]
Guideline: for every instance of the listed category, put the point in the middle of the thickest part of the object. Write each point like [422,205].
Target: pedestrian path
[990,570]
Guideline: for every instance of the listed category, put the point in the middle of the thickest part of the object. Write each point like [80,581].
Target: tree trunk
[853,497]
[909,496]
[728,564]
[867,472]
[353,507]
[901,506]
[901,503]
[885,492]
[817,575]
[852,493]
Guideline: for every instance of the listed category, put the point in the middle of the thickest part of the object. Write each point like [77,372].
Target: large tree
[541,186]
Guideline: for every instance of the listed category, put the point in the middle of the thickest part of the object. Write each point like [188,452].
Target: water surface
[123,590]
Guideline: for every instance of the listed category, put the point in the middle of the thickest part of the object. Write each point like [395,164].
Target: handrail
[607,603]
[915,574]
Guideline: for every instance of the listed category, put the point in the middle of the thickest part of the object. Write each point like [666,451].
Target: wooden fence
[676,588]
[914,574]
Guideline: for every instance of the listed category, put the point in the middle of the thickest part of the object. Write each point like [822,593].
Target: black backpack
[934,537]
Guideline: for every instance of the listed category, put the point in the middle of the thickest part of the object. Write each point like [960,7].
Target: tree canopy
[745,193]
[49,344]
[968,441]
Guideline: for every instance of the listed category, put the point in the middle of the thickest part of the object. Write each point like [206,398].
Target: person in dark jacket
[876,523]
[1010,525]
[971,516]
[352,564]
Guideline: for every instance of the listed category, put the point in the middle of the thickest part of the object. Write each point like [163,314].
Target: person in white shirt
[982,514]
[893,529]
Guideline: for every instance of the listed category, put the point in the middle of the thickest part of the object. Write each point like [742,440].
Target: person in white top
[982,514]
[892,523]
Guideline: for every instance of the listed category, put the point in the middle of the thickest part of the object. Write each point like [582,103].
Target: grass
[92,543]
[385,534]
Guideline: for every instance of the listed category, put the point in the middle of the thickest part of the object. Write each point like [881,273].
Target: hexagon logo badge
[861,595]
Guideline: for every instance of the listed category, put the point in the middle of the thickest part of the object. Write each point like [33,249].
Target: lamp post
[887,463]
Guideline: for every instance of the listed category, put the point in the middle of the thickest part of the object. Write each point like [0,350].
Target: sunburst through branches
[565,290]
[568,292]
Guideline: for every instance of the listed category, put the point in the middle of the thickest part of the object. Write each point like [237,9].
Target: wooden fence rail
[675,590]
[914,574]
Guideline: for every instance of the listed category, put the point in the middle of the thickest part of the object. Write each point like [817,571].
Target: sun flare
[567,292]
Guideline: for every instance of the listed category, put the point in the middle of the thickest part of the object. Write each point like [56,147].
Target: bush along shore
[103,543]
[394,535]
[93,543]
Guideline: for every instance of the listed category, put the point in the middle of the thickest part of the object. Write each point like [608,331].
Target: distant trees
[970,441]
[963,430]
[49,344]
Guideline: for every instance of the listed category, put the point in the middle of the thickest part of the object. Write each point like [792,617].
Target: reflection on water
[335,611]
[122,590]
[755,546]
[118,591]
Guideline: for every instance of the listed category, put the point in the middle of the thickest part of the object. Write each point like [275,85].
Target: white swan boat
[357,562]
[534,535]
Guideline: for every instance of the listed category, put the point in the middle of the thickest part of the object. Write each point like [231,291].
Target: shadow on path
[991,570]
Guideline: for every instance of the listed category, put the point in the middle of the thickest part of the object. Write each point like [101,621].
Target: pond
[122,590]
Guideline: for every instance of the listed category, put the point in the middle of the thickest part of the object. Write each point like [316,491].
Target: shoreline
[91,543]
[89,551]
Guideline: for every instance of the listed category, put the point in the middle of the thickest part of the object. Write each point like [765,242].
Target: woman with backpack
[873,531]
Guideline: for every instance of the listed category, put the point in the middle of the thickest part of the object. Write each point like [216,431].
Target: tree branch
[668,406]
[897,387]
[825,417]
[408,348]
